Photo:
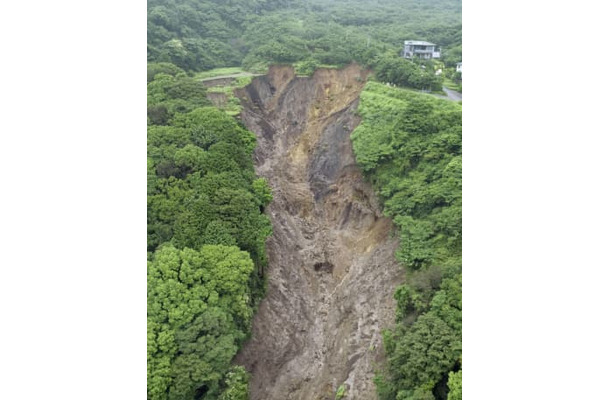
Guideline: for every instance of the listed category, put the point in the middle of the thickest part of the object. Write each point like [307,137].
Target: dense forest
[206,241]
[206,223]
[409,145]
[203,34]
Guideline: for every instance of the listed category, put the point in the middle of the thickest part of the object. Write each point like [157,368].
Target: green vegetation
[219,72]
[206,230]
[393,69]
[308,67]
[231,105]
[453,79]
[340,393]
[237,384]
[455,386]
[409,146]
[199,35]
[452,85]
[206,241]
[172,91]
[198,312]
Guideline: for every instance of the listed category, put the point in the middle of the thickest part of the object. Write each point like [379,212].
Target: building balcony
[422,54]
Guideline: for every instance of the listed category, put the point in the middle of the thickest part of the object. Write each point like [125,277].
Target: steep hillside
[202,34]
[410,146]
[332,272]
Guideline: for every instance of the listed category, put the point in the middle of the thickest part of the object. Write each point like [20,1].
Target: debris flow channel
[332,272]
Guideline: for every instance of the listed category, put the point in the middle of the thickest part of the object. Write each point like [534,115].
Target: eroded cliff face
[332,272]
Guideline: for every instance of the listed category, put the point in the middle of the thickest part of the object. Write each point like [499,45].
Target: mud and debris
[332,272]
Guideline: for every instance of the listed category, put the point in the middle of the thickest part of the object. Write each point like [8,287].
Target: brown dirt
[332,272]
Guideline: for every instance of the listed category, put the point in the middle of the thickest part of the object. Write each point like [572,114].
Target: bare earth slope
[332,273]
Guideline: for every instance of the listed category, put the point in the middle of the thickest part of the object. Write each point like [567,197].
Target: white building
[458,67]
[421,49]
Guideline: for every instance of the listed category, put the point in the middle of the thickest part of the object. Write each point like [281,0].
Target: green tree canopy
[409,146]
[199,311]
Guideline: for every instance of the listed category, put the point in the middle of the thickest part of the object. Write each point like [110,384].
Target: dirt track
[332,273]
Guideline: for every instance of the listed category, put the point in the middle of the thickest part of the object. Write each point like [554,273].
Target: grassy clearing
[219,72]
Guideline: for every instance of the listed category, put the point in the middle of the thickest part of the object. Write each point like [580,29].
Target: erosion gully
[332,271]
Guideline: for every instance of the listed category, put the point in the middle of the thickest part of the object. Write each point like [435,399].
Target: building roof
[419,43]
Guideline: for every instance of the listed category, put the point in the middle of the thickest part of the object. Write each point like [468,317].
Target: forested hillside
[206,224]
[409,145]
[206,241]
[203,34]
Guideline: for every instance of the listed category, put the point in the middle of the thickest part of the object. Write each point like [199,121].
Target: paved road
[452,94]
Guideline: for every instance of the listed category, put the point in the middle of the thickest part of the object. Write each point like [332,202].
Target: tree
[166,68]
[455,385]
[237,384]
[409,145]
[199,310]
[262,191]
[425,352]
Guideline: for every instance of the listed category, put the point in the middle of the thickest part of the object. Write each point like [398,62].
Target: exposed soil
[332,272]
